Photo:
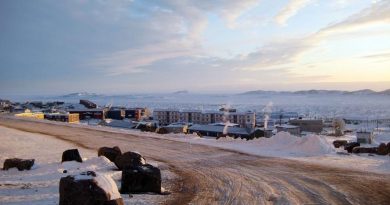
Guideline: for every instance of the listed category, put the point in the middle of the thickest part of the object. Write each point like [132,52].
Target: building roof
[213,128]
[229,124]
[287,126]
[86,110]
[165,110]
[306,120]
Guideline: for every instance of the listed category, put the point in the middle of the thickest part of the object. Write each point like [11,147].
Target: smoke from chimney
[267,111]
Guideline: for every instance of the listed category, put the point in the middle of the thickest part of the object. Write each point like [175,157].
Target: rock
[339,143]
[89,188]
[143,178]
[349,146]
[383,149]
[20,164]
[110,153]
[129,159]
[71,155]
[162,130]
[372,150]
[388,147]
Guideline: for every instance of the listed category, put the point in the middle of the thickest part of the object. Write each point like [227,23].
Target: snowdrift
[311,145]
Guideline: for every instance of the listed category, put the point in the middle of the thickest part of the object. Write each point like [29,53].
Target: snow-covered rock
[89,188]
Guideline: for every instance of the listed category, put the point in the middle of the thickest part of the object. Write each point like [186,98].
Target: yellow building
[71,118]
[28,113]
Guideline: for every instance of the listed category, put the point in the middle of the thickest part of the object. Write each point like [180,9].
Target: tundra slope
[210,175]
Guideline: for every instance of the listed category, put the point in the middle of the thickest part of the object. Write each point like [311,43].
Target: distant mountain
[80,94]
[317,92]
[385,92]
[361,92]
[260,92]
[180,92]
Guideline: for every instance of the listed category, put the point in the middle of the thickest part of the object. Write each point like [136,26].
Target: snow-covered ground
[40,185]
[311,148]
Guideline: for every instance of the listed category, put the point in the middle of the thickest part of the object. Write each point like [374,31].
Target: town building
[63,117]
[364,137]
[97,113]
[88,104]
[116,114]
[5,105]
[308,125]
[292,129]
[169,116]
[28,113]
[173,128]
[276,117]
[126,124]
[222,131]
[136,113]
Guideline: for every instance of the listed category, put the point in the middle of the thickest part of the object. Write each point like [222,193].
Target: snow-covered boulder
[89,188]
[110,153]
[20,164]
[143,178]
[349,147]
[71,155]
[371,150]
[339,143]
[129,159]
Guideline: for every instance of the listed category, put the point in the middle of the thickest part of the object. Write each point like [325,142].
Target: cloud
[287,51]
[380,55]
[270,56]
[377,13]
[160,30]
[290,10]
[136,60]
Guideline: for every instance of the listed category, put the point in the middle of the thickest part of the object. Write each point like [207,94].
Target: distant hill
[361,92]
[180,92]
[317,92]
[80,94]
[385,92]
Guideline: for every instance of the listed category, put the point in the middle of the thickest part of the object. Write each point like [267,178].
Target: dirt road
[211,175]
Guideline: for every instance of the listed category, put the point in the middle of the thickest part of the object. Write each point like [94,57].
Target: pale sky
[49,47]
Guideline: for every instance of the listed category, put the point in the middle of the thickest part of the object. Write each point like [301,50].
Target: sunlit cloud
[290,10]
[289,50]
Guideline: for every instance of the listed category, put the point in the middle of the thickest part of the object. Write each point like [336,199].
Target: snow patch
[108,185]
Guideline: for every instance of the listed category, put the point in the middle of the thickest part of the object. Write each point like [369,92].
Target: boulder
[20,164]
[162,130]
[71,155]
[388,147]
[110,153]
[349,146]
[383,149]
[371,150]
[339,143]
[89,188]
[140,179]
[129,159]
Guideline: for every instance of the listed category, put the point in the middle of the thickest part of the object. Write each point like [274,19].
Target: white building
[364,137]
[292,129]
[167,116]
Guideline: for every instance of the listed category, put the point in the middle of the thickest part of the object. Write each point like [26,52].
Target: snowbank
[39,186]
[282,144]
